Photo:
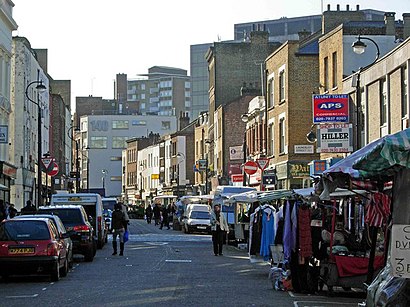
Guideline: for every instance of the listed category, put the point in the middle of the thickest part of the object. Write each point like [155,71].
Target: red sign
[237,178]
[330,108]
[47,163]
[250,167]
[54,171]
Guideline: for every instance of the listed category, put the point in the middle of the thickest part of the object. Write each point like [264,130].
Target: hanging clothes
[287,233]
[294,219]
[305,233]
[378,209]
[268,235]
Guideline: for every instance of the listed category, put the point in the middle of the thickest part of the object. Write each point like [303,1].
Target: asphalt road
[162,268]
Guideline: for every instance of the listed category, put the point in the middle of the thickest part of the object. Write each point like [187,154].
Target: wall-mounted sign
[400,250]
[4,134]
[330,108]
[304,149]
[154,176]
[335,138]
[236,152]
[99,125]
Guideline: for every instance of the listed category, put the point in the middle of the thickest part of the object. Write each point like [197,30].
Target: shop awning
[273,195]
[246,197]
[390,153]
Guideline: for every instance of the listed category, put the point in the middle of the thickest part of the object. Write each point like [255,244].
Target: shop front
[292,175]
[7,175]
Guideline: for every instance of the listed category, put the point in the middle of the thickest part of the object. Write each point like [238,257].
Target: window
[143,86]
[282,86]
[282,135]
[404,88]
[271,93]
[272,139]
[383,103]
[165,125]
[334,70]
[120,124]
[326,73]
[119,141]
[98,142]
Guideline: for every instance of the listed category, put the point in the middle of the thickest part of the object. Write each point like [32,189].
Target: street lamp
[104,172]
[245,119]
[359,47]
[311,136]
[77,160]
[40,89]
[179,155]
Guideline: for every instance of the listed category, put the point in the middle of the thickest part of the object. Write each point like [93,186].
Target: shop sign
[299,169]
[237,178]
[335,138]
[282,171]
[400,250]
[154,176]
[330,108]
[202,164]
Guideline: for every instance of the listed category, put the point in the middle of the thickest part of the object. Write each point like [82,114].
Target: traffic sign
[47,162]
[250,167]
[262,163]
[54,171]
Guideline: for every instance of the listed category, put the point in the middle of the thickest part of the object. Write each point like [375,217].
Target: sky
[90,41]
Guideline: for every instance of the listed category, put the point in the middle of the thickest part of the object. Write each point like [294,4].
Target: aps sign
[330,108]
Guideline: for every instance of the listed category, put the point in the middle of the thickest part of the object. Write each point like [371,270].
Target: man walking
[164,217]
[219,228]
[157,213]
[118,228]
[148,213]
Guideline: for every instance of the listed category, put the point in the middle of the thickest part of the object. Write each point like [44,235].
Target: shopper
[219,228]
[29,208]
[118,228]
[157,213]
[164,217]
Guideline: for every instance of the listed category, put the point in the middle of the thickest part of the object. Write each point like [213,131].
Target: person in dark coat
[157,213]
[12,211]
[29,208]
[118,228]
[164,217]
[3,215]
[148,213]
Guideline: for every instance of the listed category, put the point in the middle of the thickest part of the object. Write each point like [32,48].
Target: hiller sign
[335,138]
[330,108]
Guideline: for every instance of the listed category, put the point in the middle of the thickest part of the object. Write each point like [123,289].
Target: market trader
[219,228]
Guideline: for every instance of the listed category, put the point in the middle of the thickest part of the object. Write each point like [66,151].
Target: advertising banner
[335,138]
[330,108]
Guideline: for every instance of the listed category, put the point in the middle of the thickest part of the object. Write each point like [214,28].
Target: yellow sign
[155,176]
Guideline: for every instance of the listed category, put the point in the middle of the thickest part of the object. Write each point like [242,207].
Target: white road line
[44,289]
[291,294]
[321,303]
[178,261]
[22,296]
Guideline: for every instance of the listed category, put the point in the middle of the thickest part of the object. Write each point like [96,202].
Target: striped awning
[392,153]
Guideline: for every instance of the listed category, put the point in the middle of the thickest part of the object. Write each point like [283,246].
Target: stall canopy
[390,153]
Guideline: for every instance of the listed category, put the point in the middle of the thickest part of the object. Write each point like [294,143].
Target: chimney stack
[338,7]
[389,22]
[347,7]
[303,34]
[406,25]
[357,7]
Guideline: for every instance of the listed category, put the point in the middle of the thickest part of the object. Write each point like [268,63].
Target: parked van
[93,206]
[197,218]
[110,202]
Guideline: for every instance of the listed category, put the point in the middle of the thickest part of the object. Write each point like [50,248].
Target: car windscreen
[201,215]
[109,204]
[69,217]
[24,230]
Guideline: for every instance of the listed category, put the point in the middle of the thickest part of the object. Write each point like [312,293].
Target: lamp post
[40,89]
[104,172]
[245,119]
[77,161]
[359,47]
[179,155]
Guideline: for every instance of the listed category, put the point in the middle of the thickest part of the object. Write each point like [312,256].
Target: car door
[62,248]
[67,240]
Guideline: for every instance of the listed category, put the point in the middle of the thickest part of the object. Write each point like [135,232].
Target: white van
[93,207]
[197,218]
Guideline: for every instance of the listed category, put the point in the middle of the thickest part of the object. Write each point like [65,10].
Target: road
[162,268]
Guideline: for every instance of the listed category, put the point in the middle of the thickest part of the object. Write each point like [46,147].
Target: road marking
[22,296]
[128,265]
[44,289]
[291,294]
[156,243]
[178,261]
[320,303]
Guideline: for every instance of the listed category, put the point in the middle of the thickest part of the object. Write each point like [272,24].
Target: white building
[149,173]
[23,152]
[103,138]
[7,25]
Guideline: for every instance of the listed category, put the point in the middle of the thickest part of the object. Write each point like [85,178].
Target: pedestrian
[164,217]
[118,228]
[219,228]
[3,215]
[148,213]
[12,211]
[29,208]
[157,214]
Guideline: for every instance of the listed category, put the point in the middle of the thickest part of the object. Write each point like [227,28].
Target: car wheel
[89,255]
[55,275]
[64,269]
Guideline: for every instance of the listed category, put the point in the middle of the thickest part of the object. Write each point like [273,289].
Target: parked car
[93,206]
[197,218]
[32,246]
[75,219]
[65,235]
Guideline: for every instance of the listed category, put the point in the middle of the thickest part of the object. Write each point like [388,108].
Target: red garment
[377,209]
[353,266]
[305,234]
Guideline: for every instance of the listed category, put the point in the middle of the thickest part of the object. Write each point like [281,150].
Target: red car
[32,246]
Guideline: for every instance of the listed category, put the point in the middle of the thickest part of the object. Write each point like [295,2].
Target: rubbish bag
[126,236]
